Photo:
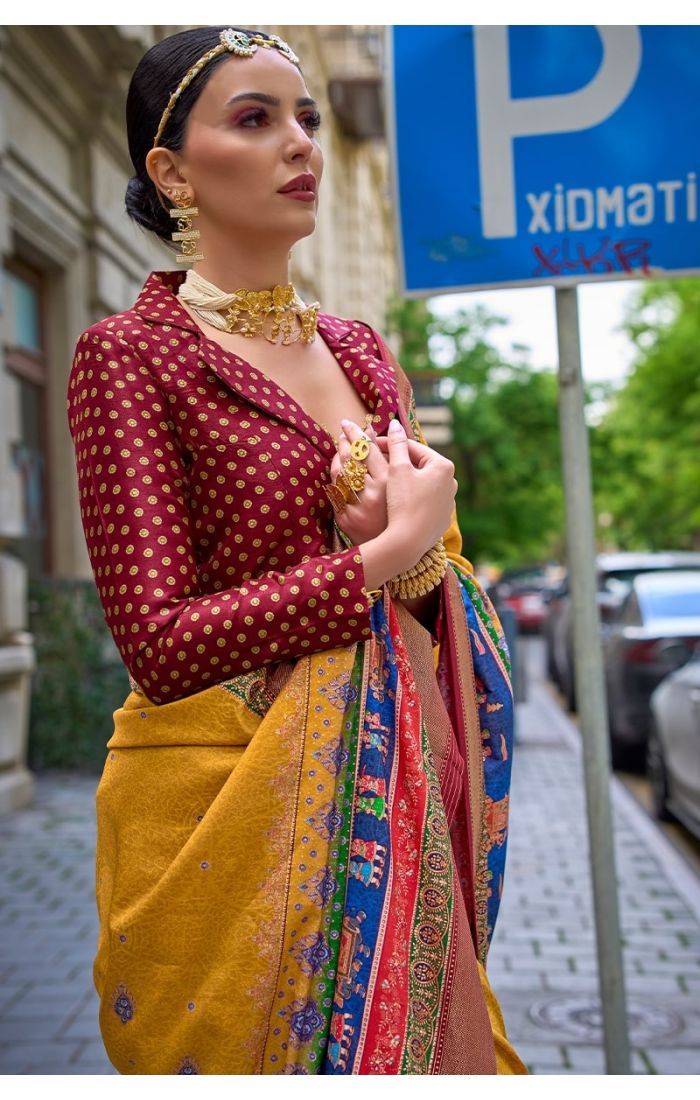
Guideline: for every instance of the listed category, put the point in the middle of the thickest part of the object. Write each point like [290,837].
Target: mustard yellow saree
[299,870]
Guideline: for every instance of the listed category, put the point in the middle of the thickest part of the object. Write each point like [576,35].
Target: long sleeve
[175,636]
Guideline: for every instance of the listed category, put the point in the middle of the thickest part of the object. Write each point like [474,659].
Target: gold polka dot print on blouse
[203,508]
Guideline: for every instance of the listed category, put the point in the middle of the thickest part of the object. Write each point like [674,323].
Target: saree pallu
[298,871]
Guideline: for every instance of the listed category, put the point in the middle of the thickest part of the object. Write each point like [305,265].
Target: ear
[163,167]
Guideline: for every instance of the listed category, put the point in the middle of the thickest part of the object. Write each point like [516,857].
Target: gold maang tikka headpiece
[235,42]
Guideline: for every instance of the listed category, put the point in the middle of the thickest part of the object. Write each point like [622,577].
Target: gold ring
[355,474]
[359,448]
[346,488]
[336,497]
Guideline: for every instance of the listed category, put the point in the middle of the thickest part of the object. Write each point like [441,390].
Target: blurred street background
[485,375]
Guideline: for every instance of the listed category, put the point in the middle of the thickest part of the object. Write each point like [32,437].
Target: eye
[254,118]
[312,121]
[251,118]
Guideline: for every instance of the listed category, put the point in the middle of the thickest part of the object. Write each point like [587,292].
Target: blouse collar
[372,377]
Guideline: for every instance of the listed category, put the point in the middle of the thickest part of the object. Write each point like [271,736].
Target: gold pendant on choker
[272,313]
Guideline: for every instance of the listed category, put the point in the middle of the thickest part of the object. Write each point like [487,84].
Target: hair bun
[136,186]
[141,202]
[136,193]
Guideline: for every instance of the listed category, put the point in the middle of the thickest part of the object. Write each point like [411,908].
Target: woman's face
[251,131]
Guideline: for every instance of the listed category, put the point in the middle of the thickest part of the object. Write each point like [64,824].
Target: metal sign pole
[590,687]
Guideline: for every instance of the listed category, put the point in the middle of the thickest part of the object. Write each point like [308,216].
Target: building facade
[69,255]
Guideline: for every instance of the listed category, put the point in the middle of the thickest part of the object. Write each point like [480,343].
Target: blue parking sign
[530,154]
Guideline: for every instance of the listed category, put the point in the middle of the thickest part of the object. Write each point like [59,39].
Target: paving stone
[14,1061]
[37,1056]
[541,1055]
[29,1009]
[574,983]
[640,1062]
[651,984]
[38,971]
[41,1029]
[676,1061]
[534,980]
[11,993]
[587,1059]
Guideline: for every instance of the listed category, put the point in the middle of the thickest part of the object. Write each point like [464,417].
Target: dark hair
[156,77]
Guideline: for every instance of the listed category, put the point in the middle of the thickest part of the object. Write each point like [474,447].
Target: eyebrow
[271,100]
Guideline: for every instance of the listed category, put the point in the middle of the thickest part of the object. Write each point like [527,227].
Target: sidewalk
[542,963]
[48,923]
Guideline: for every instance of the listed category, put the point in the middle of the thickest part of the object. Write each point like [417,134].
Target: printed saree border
[309,944]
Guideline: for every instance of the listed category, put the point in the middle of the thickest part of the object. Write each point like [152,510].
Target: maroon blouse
[201,489]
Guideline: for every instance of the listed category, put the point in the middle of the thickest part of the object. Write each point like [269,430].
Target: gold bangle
[422,577]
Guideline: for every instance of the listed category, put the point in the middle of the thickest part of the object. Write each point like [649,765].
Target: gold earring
[184,213]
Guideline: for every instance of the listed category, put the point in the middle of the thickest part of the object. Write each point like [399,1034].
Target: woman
[302,815]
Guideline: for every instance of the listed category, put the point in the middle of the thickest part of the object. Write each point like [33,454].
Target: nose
[299,145]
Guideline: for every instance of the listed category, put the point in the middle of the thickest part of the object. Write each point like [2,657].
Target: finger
[336,466]
[373,460]
[419,453]
[343,448]
[398,441]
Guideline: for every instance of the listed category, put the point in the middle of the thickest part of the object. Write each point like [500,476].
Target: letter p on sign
[500,118]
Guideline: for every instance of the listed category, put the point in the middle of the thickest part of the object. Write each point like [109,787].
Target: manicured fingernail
[346,424]
[395,426]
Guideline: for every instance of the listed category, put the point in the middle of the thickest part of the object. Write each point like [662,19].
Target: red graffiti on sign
[568,258]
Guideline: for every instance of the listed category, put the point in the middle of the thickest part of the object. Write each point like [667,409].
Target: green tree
[646,450]
[505,433]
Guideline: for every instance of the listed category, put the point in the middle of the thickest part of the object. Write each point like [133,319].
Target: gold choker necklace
[268,313]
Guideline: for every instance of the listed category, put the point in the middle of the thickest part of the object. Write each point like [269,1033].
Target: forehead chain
[231,41]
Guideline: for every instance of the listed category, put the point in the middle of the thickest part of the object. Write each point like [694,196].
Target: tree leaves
[505,434]
[647,448]
[644,436]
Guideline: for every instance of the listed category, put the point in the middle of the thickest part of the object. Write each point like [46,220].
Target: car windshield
[675,603]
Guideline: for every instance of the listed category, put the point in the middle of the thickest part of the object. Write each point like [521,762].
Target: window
[672,601]
[25,362]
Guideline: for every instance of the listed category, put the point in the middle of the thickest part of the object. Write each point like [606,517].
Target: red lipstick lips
[301,187]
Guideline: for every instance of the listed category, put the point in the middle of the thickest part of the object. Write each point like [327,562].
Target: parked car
[673,748]
[654,632]
[615,573]
[553,629]
[526,592]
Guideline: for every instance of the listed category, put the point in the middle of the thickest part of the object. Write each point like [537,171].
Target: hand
[420,493]
[365,518]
